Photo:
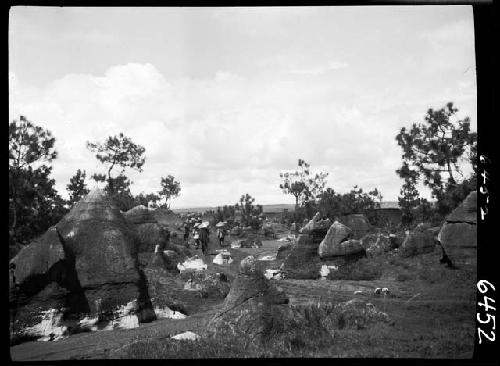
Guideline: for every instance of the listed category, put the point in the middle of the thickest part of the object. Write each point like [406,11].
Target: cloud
[333,65]
[221,136]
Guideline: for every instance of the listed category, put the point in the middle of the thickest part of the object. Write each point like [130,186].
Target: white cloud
[333,65]
[226,132]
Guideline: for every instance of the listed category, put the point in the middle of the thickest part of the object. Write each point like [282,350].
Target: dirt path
[103,344]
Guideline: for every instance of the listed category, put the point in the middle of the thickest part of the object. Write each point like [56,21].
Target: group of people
[201,235]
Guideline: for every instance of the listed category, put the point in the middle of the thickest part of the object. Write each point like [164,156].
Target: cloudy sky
[226,98]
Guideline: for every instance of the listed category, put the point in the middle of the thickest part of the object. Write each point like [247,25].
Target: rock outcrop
[86,263]
[35,261]
[103,245]
[149,231]
[315,224]
[139,215]
[458,235]
[358,223]
[338,242]
[250,297]
[419,241]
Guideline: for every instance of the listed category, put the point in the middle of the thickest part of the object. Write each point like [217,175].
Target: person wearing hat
[196,235]
[204,237]
[186,233]
[221,233]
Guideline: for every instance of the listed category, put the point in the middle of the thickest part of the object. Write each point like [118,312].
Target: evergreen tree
[77,187]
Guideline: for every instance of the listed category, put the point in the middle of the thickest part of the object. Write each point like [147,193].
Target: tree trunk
[450,172]
[110,182]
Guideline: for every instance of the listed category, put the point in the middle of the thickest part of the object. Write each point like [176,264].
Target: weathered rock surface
[316,223]
[37,259]
[150,235]
[466,211]
[303,261]
[86,263]
[149,232]
[338,242]
[244,308]
[100,239]
[139,215]
[418,242]
[458,235]
[358,223]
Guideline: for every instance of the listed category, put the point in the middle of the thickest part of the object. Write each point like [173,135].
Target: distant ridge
[278,207]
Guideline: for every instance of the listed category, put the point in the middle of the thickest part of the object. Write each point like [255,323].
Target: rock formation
[358,223]
[338,242]
[458,235]
[418,241]
[315,224]
[250,297]
[149,231]
[86,263]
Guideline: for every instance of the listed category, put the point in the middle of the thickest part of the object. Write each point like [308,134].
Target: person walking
[221,233]
[196,236]
[204,237]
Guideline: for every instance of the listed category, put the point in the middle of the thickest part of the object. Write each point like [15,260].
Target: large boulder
[149,232]
[85,264]
[466,211]
[150,235]
[35,261]
[101,241]
[417,242]
[338,242]
[251,294]
[303,261]
[358,223]
[316,223]
[458,235]
[44,278]
[103,246]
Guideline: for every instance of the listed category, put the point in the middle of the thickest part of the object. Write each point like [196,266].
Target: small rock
[189,336]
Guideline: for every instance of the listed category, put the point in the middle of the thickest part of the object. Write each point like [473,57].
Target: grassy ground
[431,308]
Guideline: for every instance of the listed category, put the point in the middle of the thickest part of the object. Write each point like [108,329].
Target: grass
[432,316]
[298,331]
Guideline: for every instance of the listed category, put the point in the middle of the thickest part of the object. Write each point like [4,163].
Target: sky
[224,99]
